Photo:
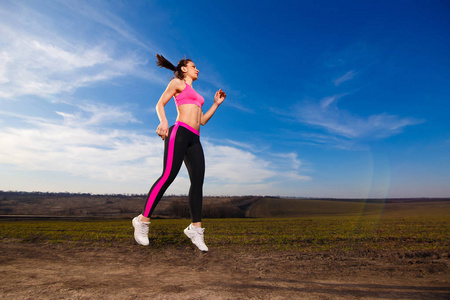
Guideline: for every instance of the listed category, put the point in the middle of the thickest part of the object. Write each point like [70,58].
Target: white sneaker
[196,236]
[141,231]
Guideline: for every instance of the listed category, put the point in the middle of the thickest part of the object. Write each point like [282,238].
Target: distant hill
[37,204]
[267,208]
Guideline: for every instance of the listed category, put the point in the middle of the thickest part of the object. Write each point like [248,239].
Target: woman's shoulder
[177,83]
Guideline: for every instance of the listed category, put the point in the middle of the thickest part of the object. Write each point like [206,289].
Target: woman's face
[191,71]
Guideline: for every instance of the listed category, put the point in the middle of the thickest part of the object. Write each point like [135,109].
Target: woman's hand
[163,130]
[219,97]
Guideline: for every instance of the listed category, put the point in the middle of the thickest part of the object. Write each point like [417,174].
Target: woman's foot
[196,236]
[141,231]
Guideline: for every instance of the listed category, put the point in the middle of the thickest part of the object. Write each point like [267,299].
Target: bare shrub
[222,210]
[179,209]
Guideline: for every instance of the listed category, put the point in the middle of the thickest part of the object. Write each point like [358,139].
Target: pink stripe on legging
[188,127]
[155,191]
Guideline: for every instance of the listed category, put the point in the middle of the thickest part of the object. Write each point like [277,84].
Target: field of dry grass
[283,249]
[124,206]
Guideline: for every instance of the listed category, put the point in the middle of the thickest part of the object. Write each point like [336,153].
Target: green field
[345,233]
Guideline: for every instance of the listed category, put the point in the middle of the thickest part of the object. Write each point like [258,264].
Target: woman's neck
[188,81]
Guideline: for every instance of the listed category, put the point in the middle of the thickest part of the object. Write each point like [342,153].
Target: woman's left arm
[218,99]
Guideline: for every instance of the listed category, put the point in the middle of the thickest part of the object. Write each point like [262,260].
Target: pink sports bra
[189,96]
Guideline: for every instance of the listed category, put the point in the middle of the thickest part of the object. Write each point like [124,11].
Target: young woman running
[181,143]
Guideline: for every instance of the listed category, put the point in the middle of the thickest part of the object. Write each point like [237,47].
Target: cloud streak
[38,58]
[346,77]
[339,127]
[97,114]
[107,19]
[326,115]
[79,145]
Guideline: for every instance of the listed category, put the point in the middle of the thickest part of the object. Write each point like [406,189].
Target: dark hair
[162,62]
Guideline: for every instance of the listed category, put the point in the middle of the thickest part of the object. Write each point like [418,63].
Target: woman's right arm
[171,90]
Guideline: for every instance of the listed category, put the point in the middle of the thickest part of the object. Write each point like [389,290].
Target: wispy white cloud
[330,140]
[231,164]
[327,101]
[292,166]
[38,58]
[113,155]
[325,114]
[79,145]
[98,12]
[34,68]
[245,170]
[338,127]
[97,114]
[346,77]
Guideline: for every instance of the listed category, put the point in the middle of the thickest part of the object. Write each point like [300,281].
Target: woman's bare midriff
[190,114]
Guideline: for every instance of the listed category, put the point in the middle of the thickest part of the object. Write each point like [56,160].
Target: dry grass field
[125,206]
[283,249]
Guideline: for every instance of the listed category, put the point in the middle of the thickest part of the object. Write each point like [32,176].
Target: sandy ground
[40,271]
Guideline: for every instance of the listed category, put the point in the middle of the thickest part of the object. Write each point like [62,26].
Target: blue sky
[324,98]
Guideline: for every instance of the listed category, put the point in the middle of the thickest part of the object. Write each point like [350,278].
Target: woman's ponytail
[162,62]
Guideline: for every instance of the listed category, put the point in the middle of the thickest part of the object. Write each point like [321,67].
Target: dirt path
[37,271]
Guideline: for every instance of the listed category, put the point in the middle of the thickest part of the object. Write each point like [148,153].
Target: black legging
[183,143]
